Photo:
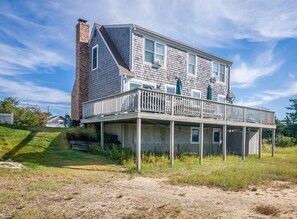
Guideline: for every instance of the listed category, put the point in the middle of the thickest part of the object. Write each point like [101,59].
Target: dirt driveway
[121,195]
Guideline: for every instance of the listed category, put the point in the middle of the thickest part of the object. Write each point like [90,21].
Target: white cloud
[266,96]
[215,23]
[244,73]
[27,90]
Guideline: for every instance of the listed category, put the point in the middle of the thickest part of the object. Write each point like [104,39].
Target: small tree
[291,119]
[31,116]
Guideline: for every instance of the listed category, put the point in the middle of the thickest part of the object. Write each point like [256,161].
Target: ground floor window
[194,135]
[216,135]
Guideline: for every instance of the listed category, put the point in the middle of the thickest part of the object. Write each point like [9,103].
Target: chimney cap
[82,20]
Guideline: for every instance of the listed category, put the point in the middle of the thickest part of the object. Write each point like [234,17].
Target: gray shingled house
[126,81]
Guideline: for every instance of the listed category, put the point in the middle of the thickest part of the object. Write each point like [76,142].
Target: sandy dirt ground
[123,196]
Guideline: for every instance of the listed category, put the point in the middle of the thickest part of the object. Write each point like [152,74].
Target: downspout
[229,73]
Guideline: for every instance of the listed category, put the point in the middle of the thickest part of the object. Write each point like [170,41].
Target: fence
[6,118]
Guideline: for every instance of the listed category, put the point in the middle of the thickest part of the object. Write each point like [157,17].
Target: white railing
[142,100]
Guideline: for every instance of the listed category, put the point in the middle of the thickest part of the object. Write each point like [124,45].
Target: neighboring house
[126,79]
[55,121]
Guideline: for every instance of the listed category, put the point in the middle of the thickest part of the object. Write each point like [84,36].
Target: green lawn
[46,151]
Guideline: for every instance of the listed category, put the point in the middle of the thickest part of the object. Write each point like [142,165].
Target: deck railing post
[244,116]
[225,112]
[201,107]
[138,101]
[101,106]
[116,103]
[172,105]
[260,143]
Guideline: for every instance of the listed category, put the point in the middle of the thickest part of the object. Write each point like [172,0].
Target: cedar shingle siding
[176,65]
[121,39]
[105,80]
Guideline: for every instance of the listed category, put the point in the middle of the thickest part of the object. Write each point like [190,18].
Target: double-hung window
[194,135]
[170,89]
[216,135]
[95,57]
[154,52]
[191,64]
[218,71]
[134,85]
[196,94]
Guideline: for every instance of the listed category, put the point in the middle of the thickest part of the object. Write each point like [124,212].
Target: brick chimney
[81,84]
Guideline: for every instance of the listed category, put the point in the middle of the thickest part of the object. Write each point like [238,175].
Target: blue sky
[37,44]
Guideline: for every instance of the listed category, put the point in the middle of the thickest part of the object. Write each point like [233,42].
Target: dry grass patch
[267,210]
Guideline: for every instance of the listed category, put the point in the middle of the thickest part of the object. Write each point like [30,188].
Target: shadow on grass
[56,153]
[17,148]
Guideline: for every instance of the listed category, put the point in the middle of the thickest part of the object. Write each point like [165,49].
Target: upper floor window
[95,57]
[192,64]
[154,52]
[218,70]
[170,89]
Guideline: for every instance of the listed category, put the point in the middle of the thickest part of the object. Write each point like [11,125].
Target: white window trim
[192,136]
[195,67]
[222,82]
[141,82]
[194,90]
[96,46]
[155,41]
[169,85]
[213,131]
[223,97]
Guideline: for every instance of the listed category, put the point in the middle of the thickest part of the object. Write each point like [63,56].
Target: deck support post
[171,143]
[224,142]
[201,143]
[123,135]
[243,142]
[273,143]
[138,144]
[102,134]
[260,143]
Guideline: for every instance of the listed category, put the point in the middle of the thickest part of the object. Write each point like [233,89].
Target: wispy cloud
[269,95]
[34,93]
[245,73]
[216,23]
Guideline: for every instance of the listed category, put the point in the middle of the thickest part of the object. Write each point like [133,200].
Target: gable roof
[116,54]
[176,43]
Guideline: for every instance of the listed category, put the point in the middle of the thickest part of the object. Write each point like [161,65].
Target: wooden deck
[140,104]
[149,104]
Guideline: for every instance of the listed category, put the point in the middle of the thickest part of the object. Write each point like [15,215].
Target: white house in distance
[126,83]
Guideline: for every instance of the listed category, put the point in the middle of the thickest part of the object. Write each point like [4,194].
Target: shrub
[284,141]
[115,152]
[83,134]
